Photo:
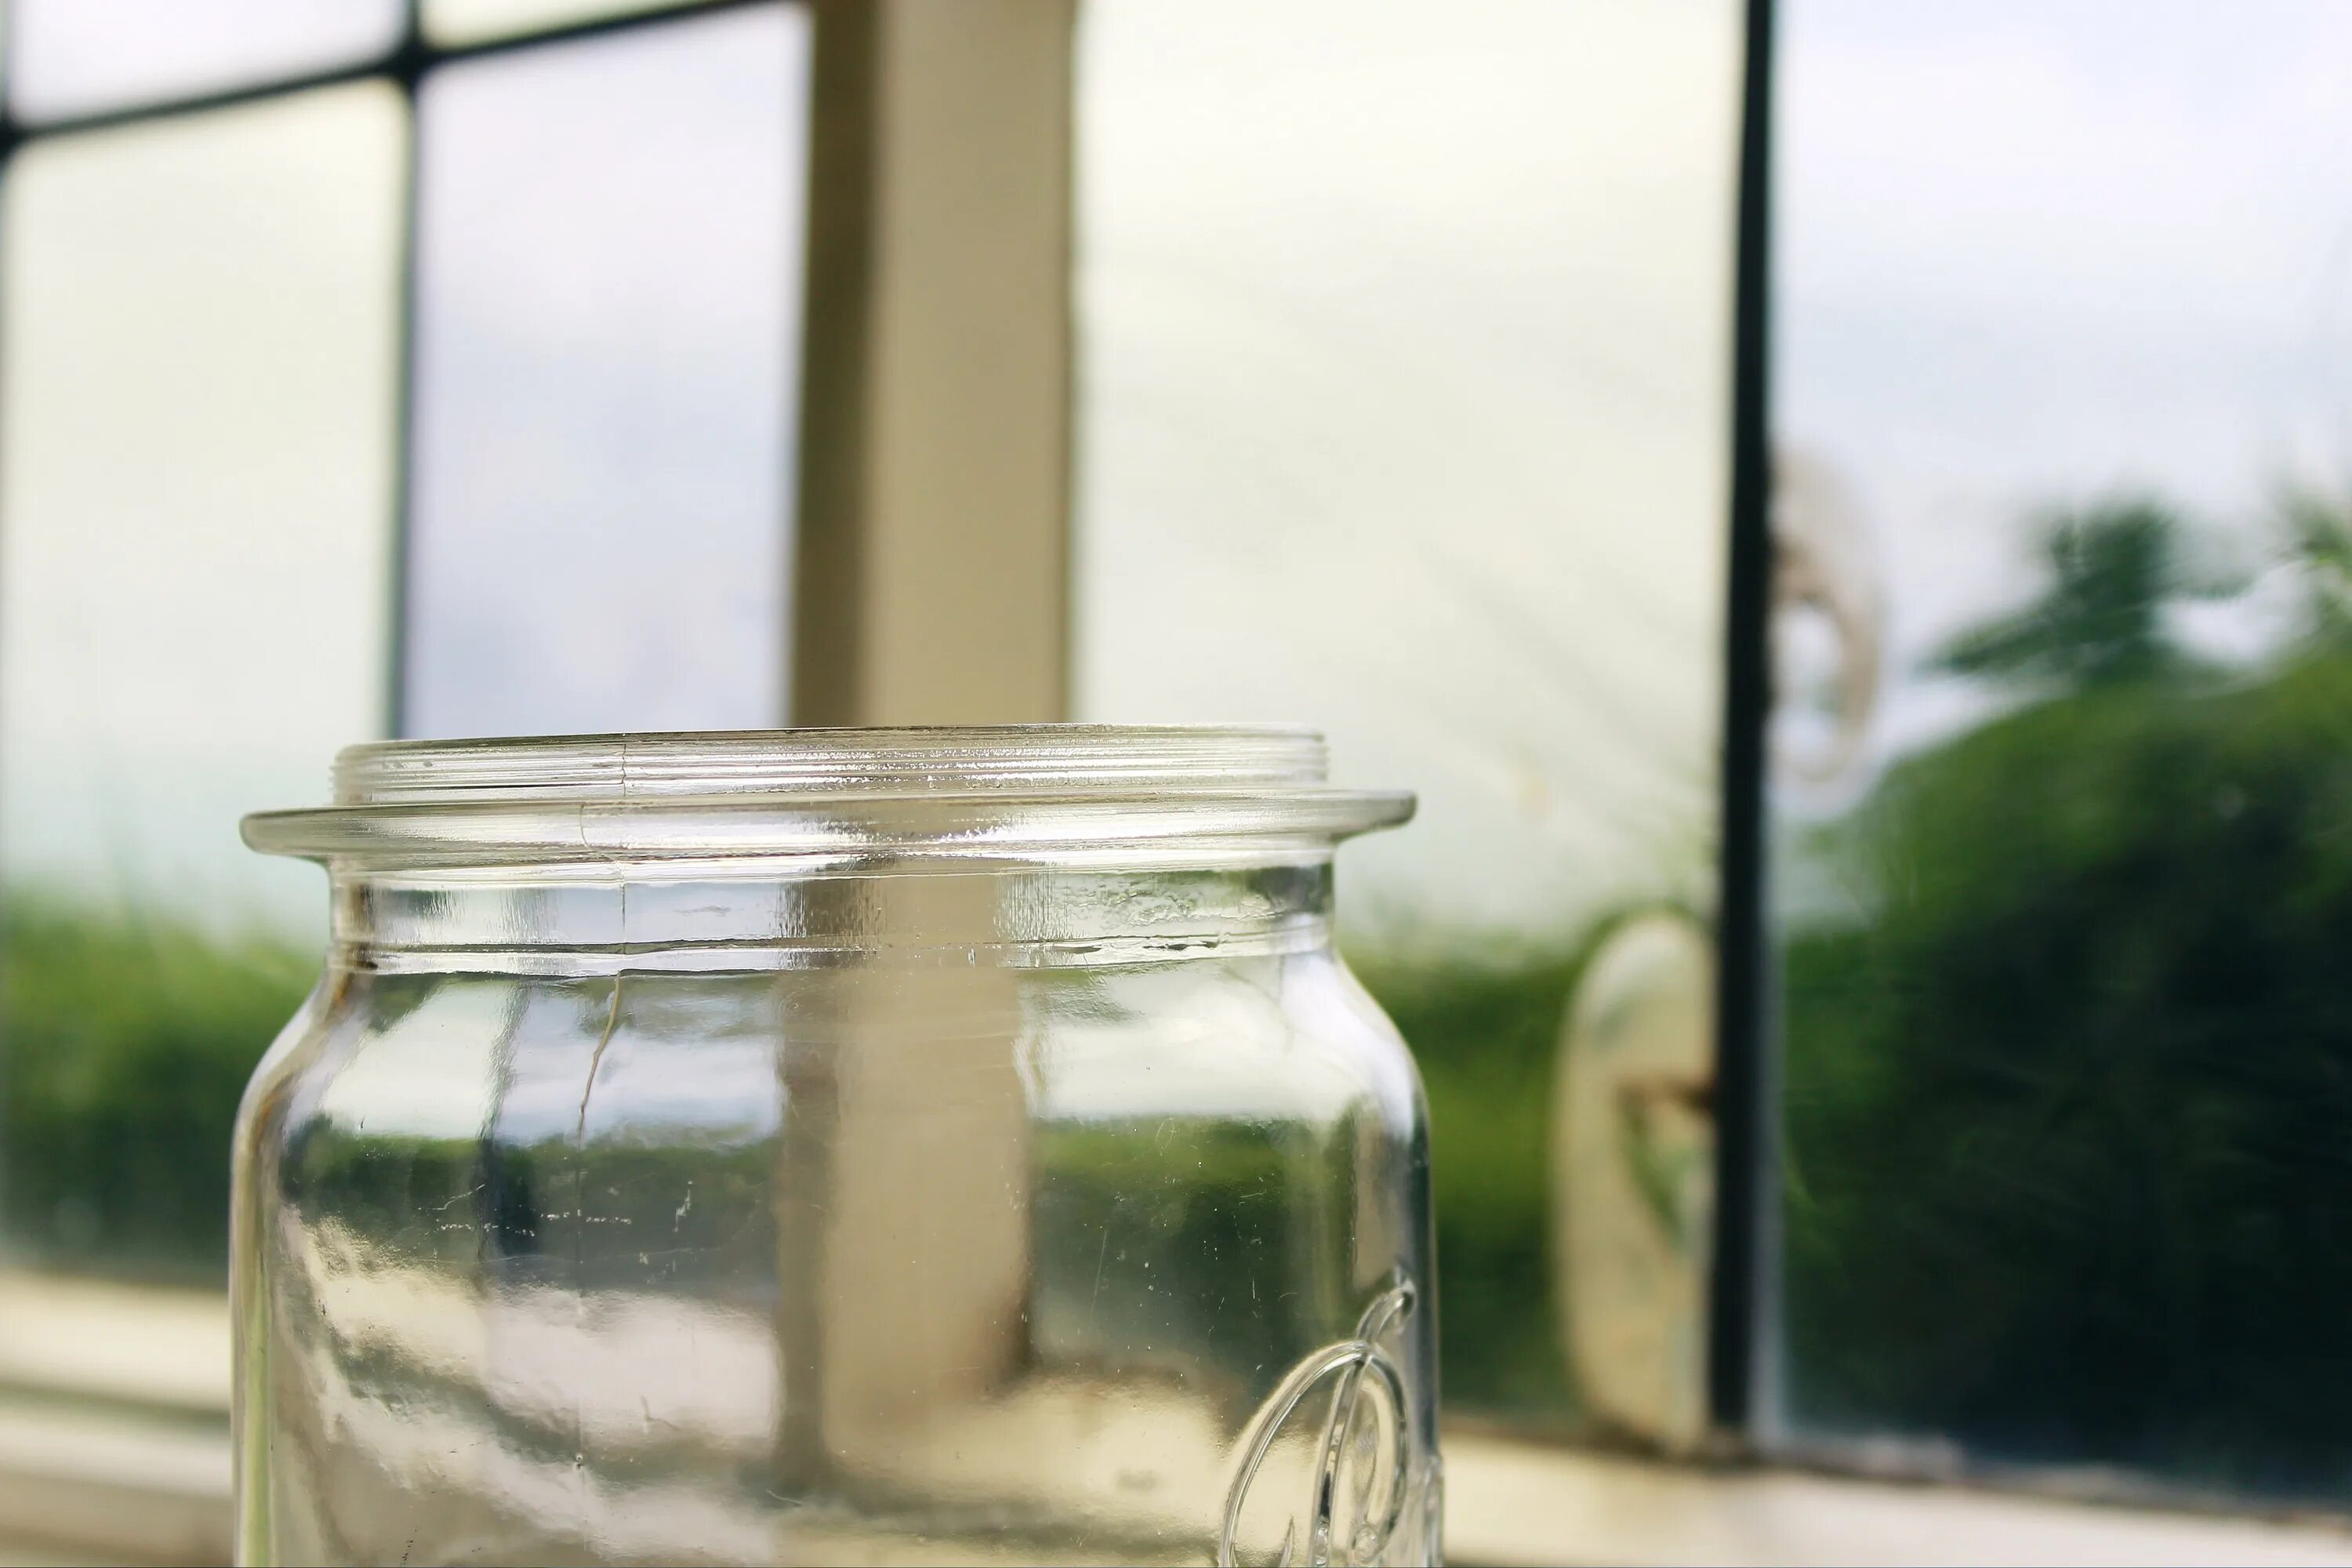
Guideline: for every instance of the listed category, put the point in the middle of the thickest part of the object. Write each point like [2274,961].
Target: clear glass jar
[835,1146]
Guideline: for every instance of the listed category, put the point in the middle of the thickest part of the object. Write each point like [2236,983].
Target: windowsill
[144,1345]
[114,1485]
[113,1443]
[1510,1502]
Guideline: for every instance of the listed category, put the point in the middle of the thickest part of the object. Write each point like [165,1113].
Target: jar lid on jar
[1067,793]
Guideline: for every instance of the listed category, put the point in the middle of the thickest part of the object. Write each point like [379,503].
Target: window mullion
[933,558]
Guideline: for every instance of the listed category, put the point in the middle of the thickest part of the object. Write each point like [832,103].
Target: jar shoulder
[292,1056]
[1282,1036]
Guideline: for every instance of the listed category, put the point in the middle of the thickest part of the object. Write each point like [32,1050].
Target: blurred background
[1844,513]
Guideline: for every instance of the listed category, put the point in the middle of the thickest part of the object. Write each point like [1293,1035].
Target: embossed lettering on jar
[827,1145]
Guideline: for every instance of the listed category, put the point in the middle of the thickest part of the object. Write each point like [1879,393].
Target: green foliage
[2112,569]
[2319,539]
[1125,1215]
[1485,1038]
[2066,1109]
[127,1045]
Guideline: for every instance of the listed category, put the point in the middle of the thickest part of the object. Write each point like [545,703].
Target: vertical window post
[933,573]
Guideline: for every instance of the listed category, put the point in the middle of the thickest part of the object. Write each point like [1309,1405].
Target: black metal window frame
[407,65]
[1747,1113]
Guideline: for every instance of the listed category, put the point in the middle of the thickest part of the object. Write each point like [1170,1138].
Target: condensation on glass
[69,58]
[835,1145]
[198,367]
[1404,361]
[608,318]
[2062,870]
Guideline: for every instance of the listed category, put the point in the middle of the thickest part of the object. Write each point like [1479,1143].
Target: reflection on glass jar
[797,1146]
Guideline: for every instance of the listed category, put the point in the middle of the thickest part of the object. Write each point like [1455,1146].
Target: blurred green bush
[127,1044]
[2068,1094]
[2068,1085]
[128,1041]
[2069,1113]
[1484,1035]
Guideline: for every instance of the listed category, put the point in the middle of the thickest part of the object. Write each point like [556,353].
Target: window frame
[405,65]
[931,558]
[934,465]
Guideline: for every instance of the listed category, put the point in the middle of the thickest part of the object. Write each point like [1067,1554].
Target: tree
[2113,567]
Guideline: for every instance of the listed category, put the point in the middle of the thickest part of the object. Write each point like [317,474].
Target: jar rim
[1082,759]
[1030,791]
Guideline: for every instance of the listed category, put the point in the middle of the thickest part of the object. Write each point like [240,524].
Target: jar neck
[588,919]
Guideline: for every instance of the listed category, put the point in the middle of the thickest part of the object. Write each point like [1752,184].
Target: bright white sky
[78,56]
[197,464]
[1401,413]
[607,367]
[196,477]
[2028,256]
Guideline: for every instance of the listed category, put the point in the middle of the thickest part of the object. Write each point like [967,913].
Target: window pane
[196,473]
[1405,348]
[456,22]
[80,57]
[2063,312]
[609,314]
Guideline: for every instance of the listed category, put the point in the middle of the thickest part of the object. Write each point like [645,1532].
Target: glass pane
[81,56]
[607,354]
[1405,348]
[2063,840]
[196,473]
[451,22]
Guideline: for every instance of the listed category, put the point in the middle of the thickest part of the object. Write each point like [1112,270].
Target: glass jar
[831,1145]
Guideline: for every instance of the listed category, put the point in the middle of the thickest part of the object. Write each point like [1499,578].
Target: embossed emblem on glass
[1358,1490]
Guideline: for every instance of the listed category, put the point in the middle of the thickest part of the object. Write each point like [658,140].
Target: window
[113,56]
[1927,1073]
[200,377]
[1406,353]
[330,352]
[204,572]
[1838,510]
[608,315]
[2057,863]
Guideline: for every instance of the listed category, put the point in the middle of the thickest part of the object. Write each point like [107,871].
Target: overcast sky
[198,461]
[195,484]
[1403,355]
[1403,404]
[1402,411]
[2030,257]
